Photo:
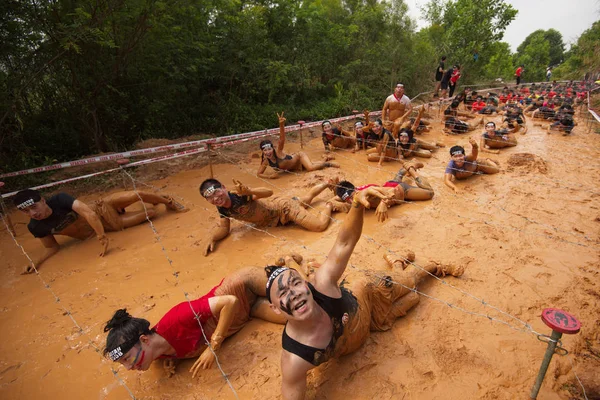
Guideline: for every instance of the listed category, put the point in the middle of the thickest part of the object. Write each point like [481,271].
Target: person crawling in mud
[462,166]
[493,138]
[63,214]
[280,161]
[335,137]
[186,329]
[326,319]
[246,204]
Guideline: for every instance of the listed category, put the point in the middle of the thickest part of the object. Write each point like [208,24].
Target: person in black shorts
[445,82]
[62,214]
[245,204]
[439,73]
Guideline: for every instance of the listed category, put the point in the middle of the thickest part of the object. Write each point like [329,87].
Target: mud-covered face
[403,139]
[377,128]
[399,90]
[38,211]
[327,127]
[459,159]
[219,197]
[490,129]
[268,151]
[291,295]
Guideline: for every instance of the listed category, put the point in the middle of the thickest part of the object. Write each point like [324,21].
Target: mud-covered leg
[314,166]
[311,222]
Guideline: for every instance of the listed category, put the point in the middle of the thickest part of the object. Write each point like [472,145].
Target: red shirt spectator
[519,71]
[478,105]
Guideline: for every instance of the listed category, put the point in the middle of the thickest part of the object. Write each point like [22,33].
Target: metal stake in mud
[301,123]
[5,213]
[210,156]
[561,322]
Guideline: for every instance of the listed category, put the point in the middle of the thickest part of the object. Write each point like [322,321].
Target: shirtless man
[60,215]
[244,204]
[395,106]
[326,319]
[462,166]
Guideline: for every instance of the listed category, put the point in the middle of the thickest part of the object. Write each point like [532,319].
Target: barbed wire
[176,275]
[65,310]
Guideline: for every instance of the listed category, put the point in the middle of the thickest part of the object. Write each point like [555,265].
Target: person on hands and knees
[462,166]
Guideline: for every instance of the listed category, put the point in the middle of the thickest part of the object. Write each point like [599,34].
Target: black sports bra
[336,308]
[277,160]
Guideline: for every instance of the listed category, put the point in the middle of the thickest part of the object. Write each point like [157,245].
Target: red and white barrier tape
[134,164]
[160,149]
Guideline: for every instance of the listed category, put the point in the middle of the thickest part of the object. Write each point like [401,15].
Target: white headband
[209,191]
[25,204]
[266,146]
[458,152]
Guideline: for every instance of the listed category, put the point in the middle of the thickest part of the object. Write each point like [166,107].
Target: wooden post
[212,175]
[301,123]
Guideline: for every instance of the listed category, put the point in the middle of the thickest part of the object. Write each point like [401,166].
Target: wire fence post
[3,210]
[210,164]
[301,123]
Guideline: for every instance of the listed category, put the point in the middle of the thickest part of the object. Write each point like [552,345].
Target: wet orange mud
[528,237]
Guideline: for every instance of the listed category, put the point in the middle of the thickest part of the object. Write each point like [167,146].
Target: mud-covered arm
[52,247]
[448,181]
[337,259]
[281,143]
[474,150]
[224,309]
[218,233]
[384,142]
[261,171]
[94,221]
[293,376]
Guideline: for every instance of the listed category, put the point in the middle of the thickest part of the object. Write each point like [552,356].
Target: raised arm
[418,119]
[474,150]
[281,143]
[384,142]
[337,259]
[219,232]
[256,193]
[384,110]
[224,309]
[94,221]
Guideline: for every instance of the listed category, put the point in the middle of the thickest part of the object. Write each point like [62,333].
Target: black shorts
[444,84]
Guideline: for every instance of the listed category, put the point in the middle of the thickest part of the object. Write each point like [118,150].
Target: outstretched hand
[473,142]
[104,243]
[208,246]
[282,119]
[372,193]
[205,361]
[241,189]
[382,211]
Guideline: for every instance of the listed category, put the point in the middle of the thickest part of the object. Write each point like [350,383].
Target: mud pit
[529,239]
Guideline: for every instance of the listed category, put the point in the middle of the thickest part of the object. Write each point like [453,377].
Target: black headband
[271,279]
[122,349]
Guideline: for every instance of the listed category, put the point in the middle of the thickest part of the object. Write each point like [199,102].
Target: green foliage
[556,45]
[534,54]
[583,57]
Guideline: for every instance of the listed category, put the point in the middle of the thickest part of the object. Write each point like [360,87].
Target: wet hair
[27,194]
[207,183]
[454,149]
[263,143]
[124,331]
[344,188]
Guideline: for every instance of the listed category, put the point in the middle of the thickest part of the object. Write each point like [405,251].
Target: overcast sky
[569,17]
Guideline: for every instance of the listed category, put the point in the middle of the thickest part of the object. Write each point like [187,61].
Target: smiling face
[327,127]
[377,128]
[219,197]
[403,139]
[459,159]
[490,128]
[291,295]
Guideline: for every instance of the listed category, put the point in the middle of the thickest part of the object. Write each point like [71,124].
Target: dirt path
[529,238]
